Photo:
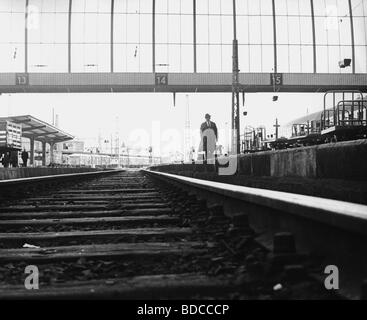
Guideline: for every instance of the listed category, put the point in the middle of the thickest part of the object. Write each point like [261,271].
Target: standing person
[25,157]
[14,159]
[220,149]
[192,152]
[209,137]
[6,159]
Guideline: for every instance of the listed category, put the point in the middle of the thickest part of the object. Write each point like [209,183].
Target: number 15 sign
[276,79]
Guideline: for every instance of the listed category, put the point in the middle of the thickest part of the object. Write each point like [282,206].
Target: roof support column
[69,36]
[31,151]
[26,37]
[352,36]
[313,36]
[112,32]
[194,33]
[43,153]
[52,146]
[275,39]
[153,35]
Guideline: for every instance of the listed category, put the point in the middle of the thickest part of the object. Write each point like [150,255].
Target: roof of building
[38,129]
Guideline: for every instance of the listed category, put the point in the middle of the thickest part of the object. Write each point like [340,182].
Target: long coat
[210,133]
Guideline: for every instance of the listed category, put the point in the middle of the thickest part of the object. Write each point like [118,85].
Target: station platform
[336,171]
[29,172]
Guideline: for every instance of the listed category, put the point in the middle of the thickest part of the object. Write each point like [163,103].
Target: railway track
[144,235]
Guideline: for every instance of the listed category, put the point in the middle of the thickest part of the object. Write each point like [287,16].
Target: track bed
[129,236]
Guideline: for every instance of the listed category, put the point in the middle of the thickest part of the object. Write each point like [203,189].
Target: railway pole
[235,89]
[31,158]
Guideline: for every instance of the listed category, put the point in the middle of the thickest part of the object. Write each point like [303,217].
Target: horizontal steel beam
[178,82]
[35,135]
[33,128]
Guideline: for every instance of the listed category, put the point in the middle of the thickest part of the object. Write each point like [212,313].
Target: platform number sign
[276,79]
[161,79]
[21,79]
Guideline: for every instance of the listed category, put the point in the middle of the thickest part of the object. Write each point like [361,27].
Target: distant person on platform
[14,159]
[6,160]
[209,137]
[25,157]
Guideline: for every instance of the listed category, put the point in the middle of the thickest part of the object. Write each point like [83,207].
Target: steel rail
[334,230]
[341,214]
[53,177]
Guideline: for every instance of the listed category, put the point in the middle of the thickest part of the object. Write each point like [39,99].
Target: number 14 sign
[161,79]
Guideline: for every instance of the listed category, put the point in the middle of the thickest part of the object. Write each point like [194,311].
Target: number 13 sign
[21,79]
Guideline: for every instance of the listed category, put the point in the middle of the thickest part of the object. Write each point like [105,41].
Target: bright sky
[87,115]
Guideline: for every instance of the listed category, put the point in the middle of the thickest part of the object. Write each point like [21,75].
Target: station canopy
[182,36]
[39,130]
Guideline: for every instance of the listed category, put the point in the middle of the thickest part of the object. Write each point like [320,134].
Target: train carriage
[345,119]
[348,120]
